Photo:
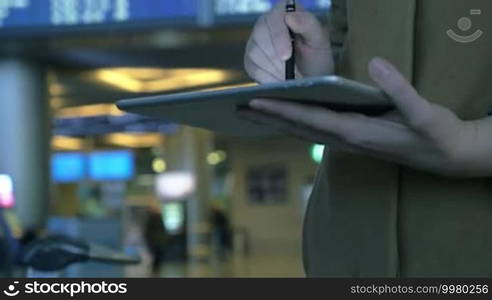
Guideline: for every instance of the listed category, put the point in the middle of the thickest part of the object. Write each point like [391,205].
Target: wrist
[474,157]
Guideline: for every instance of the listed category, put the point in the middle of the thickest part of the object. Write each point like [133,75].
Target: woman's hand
[270,46]
[418,133]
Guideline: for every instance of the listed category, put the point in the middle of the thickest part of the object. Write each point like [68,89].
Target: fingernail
[286,56]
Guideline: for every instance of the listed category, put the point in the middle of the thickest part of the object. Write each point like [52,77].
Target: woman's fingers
[297,130]
[260,59]
[279,33]
[371,134]
[416,110]
[259,74]
[265,41]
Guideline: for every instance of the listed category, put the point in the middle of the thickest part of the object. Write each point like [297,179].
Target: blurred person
[13,240]
[9,247]
[28,236]
[135,243]
[408,193]
[221,232]
[92,205]
[156,238]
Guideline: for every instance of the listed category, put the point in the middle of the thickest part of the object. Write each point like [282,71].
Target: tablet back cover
[216,110]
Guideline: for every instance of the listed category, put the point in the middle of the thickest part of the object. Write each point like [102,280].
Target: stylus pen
[290,64]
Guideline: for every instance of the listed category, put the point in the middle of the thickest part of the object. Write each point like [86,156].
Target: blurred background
[189,202]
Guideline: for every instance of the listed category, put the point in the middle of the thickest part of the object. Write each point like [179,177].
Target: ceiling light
[151,80]
[175,185]
[63,143]
[89,111]
[134,140]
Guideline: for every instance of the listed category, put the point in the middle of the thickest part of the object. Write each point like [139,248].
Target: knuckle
[247,60]
[250,73]
[310,20]
[422,121]
[256,75]
[250,69]
[247,52]
[261,20]
[399,88]
[260,25]
[255,54]
[304,22]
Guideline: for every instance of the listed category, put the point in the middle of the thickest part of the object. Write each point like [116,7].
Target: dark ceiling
[71,57]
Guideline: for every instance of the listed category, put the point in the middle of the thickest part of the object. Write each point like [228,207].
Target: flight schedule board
[32,14]
[24,16]
[251,7]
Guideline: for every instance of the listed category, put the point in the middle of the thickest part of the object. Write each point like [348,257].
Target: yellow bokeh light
[216,157]
[159,165]
[56,90]
[230,86]
[151,80]
[89,111]
[134,140]
[67,143]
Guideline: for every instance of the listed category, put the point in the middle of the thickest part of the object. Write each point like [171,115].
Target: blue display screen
[111,165]
[248,7]
[68,167]
[48,13]
[35,14]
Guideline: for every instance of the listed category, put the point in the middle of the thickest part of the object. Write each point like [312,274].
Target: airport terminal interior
[170,200]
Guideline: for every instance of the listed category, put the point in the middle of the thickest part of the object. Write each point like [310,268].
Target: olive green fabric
[369,218]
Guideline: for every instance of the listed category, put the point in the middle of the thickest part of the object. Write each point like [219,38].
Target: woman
[407,194]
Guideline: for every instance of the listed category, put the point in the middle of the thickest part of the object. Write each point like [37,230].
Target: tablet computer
[217,110]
